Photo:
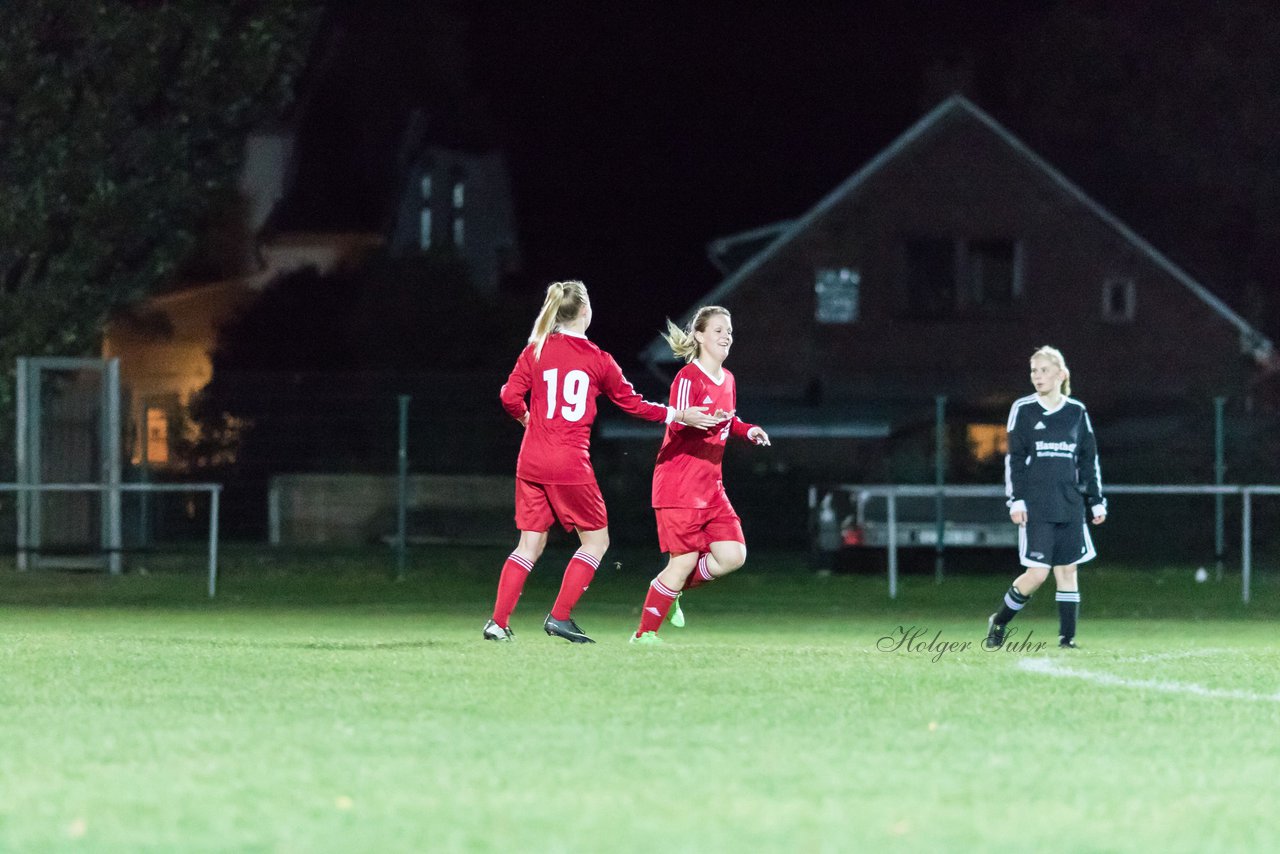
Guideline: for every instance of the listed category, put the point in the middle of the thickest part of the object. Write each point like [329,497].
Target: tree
[120,122]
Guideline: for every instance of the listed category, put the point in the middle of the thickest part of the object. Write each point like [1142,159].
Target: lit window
[157,436]
[836,292]
[457,231]
[988,441]
[1119,300]
[426,187]
[424,229]
[459,194]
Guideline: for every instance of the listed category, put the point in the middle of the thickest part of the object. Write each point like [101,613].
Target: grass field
[317,705]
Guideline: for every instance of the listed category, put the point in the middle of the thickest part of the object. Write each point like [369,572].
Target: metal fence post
[402,493]
[892,504]
[1219,478]
[1246,543]
[940,477]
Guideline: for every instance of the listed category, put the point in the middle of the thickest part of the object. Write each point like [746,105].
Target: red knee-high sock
[577,578]
[656,605]
[514,574]
[701,574]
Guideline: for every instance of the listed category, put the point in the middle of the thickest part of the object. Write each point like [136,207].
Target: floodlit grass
[318,705]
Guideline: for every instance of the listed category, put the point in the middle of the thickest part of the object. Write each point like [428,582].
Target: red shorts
[693,529]
[576,505]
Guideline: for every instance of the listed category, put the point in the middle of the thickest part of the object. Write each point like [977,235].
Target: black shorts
[1047,544]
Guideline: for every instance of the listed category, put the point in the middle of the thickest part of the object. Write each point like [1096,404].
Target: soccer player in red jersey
[562,373]
[697,526]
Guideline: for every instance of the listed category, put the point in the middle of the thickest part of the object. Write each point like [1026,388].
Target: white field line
[1049,667]
[1173,656]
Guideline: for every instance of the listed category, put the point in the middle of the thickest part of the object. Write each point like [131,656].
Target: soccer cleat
[495,632]
[995,634]
[647,639]
[1067,643]
[675,615]
[566,629]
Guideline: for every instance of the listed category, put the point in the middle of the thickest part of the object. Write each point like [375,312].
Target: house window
[1119,300]
[836,295]
[459,197]
[157,436]
[424,213]
[424,229]
[987,441]
[931,277]
[995,272]
[947,276]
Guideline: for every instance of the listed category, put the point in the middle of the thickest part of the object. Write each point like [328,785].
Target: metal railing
[891,492]
[214,490]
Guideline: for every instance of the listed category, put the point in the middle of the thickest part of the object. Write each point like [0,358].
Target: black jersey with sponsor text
[1052,468]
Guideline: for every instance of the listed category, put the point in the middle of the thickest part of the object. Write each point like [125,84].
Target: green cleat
[675,615]
[648,639]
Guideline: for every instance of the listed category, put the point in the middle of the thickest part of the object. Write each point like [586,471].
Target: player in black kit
[1052,478]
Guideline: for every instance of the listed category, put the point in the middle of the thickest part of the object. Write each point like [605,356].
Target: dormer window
[424,212]
[459,198]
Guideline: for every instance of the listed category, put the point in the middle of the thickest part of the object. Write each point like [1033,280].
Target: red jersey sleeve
[619,389]
[739,428]
[517,386]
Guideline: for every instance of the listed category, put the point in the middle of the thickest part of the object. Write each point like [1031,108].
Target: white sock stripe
[663,589]
[1068,596]
[516,559]
[587,557]
[1012,603]
[704,571]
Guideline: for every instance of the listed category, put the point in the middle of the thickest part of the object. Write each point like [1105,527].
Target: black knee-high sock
[1068,611]
[1013,603]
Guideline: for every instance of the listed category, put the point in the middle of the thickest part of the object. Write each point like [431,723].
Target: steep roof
[1259,346]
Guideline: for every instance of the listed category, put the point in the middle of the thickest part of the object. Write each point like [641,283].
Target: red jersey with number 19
[687,473]
[562,387]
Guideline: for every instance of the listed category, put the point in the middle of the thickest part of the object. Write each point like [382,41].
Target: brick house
[936,269]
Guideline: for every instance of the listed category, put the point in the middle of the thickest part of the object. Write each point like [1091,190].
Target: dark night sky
[639,132]
[636,133]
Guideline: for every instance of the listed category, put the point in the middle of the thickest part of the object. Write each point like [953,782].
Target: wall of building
[961,180]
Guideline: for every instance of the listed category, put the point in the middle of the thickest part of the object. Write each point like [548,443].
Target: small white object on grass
[1202,575]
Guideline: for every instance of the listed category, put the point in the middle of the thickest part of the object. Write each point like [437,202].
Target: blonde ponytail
[682,341]
[1053,354]
[563,304]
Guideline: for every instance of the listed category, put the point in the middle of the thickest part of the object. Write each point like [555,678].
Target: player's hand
[757,435]
[720,415]
[697,418]
[1100,518]
[524,419]
[1018,517]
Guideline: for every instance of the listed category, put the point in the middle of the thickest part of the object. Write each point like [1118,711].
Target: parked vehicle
[852,517]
